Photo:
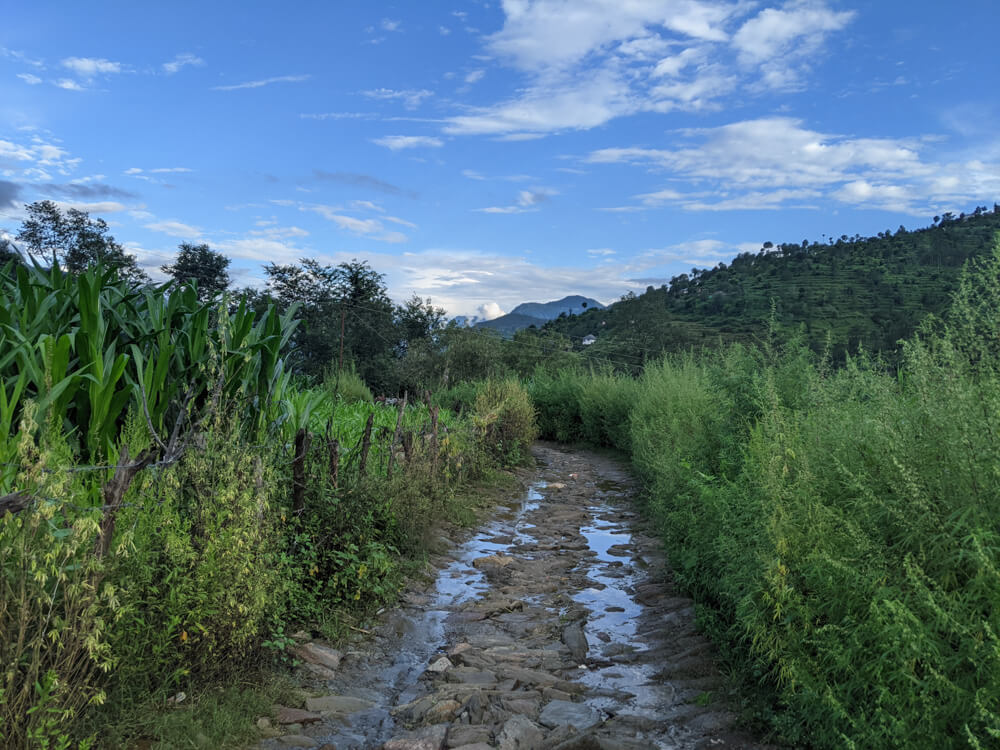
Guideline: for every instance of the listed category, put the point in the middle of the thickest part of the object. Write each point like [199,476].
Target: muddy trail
[555,626]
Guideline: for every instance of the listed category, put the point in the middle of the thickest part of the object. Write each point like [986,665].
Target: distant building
[589,339]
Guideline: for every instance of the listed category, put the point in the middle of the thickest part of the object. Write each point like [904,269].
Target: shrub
[504,419]
[557,400]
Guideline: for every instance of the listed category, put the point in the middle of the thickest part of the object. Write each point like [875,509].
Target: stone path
[554,627]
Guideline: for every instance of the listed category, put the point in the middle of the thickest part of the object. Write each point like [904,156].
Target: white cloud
[411,98]
[89,67]
[29,78]
[180,61]
[777,161]
[100,207]
[601,252]
[262,82]
[162,170]
[175,229]
[390,25]
[474,76]
[369,228]
[132,171]
[69,84]
[527,200]
[490,311]
[400,142]
[591,61]
[336,116]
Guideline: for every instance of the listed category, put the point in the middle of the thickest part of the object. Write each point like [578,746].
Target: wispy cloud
[336,115]
[176,229]
[776,162]
[263,82]
[90,67]
[400,142]
[527,200]
[29,78]
[180,61]
[411,98]
[69,84]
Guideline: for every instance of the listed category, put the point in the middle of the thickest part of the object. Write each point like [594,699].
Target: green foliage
[840,527]
[504,418]
[190,531]
[201,266]
[55,604]
[847,293]
[556,397]
[75,241]
[348,386]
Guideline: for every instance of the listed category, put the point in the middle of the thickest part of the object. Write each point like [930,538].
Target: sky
[485,154]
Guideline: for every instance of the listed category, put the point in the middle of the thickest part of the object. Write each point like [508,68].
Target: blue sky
[490,153]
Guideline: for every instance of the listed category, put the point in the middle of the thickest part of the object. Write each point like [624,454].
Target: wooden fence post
[395,435]
[366,444]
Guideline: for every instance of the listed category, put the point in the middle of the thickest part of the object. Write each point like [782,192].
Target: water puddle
[611,628]
[421,631]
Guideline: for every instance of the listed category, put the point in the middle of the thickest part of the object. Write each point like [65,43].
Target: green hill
[867,291]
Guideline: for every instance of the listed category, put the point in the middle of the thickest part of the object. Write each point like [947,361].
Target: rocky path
[554,627]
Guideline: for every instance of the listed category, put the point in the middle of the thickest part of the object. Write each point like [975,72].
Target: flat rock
[520,733]
[576,641]
[337,704]
[566,713]
[286,715]
[492,561]
[428,738]
[440,665]
[317,653]
[442,712]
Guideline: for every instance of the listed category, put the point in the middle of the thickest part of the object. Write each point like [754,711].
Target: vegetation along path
[555,626]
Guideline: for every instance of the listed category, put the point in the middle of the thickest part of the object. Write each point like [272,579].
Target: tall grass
[840,527]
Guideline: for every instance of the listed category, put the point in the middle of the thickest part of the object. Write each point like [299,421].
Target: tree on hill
[75,241]
[202,265]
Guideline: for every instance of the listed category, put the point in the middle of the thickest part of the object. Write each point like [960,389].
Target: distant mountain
[572,305]
[538,313]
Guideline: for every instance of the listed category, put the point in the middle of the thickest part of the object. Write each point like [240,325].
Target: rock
[492,562]
[413,712]
[428,738]
[530,676]
[520,733]
[474,746]
[556,486]
[316,653]
[566,713]
[442,712]
[441,665]
[469,675]
[466,736]
[576,641]
[263,723]
[298,740]
[288,715]
[337,704]
[320,671]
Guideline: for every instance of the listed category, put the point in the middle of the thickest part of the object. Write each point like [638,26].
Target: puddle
[422,631]
[611,627]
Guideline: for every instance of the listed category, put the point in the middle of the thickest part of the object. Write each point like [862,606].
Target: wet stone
[565,713]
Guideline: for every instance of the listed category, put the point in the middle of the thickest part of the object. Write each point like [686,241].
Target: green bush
[606,402]
[197,563]
[556,397]
[504,419]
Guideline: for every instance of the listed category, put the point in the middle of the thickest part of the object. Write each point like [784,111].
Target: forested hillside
[859,291]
